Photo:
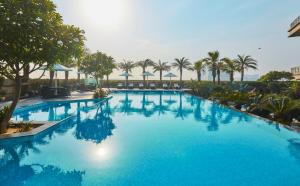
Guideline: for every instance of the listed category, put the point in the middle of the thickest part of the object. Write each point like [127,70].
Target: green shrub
[25,126]
[3,111]
[280,107]
[294,90]
[100,93]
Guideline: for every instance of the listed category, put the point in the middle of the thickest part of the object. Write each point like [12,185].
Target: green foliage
[127,66]
[212,62]
[244,63]
[276,76]
[25,126]
[203,89]
[181,64]
[3,111]
[100,93]
[32,35]
[98,65]
[280,106]
[161,67]
[230,67]
[199,67]
[294,90]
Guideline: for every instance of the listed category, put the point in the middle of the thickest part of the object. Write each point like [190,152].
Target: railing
[295,22]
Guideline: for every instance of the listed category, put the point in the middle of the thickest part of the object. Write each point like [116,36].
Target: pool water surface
[151,138]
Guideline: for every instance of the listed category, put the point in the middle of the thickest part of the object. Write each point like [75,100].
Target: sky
[168,29]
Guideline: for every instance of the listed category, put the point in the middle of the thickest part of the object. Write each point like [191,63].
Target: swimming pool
[154,138]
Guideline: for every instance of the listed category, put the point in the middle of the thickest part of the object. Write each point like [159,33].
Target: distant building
[294,30]
[296,72]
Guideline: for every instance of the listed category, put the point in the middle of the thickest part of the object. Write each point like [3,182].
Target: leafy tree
[230,67]
[94,65]
[109,66]
[181,64]
[160,67]
[127,67]
[30,36]
[144,64]
[245,63]
[276,76]
[73,48]
[212,62]
[199,66]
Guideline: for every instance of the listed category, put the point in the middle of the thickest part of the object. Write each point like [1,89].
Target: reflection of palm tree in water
[294,148]
[160,108]
[145,102]
[96,129]
[14,173]
[126,104]
[182,112]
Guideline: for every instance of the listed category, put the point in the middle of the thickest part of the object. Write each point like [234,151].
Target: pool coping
[46,125]
[269,121]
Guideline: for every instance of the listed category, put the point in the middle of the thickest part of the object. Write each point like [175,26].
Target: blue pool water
[151,138]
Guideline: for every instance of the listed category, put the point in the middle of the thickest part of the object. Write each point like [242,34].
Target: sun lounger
[131,86]
[141,85]
[176,86]
[165,86]
[120,85]
[152,86]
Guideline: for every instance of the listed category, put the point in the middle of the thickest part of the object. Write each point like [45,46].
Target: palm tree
[230,66]
[109,66]
[127,67]
[245,63]
[144,64]
[212,60]
[220,67]
[280,106]
[160,67]
[180,64]
[199,66]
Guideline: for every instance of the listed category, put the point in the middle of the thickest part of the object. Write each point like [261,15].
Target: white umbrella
[147,74]
[126,75]
[170,75]
[57,68]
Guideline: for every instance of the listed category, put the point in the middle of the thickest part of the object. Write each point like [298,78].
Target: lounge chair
[152,86]
[176,86]
[120,85]
[141,85]
[165,86]
[131,86]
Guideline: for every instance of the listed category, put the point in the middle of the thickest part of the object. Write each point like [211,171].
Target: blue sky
[165,29]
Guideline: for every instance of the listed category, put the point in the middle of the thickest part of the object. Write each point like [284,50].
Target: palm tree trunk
[144,77]
[181,77]
[214,76]
[219,77]
[199,76]
[126,80]
[160,77]
[242,74]
[107,81]
[231,77]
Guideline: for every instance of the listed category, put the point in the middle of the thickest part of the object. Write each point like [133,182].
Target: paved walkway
[75,95]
